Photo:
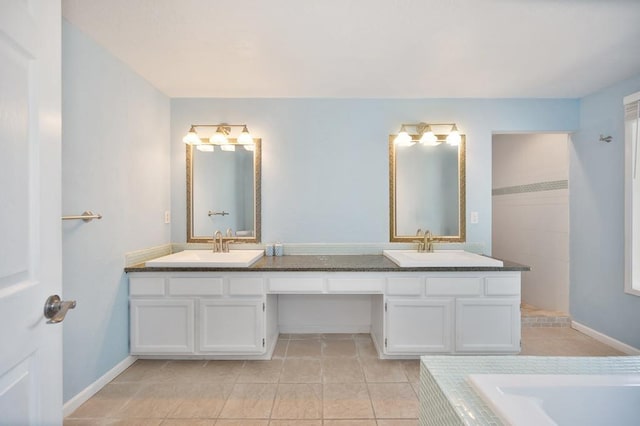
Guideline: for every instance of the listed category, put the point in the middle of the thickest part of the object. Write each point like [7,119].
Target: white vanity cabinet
[201,315]
[238,315]
[452,312]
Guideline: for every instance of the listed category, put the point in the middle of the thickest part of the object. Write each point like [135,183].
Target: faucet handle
[225,245]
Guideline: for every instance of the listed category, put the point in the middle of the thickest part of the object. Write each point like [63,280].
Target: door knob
[56,309]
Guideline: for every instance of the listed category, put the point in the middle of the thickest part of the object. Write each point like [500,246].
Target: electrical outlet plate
[167,216]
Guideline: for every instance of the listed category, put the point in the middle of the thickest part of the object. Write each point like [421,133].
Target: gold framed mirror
[223,193]
[427,190]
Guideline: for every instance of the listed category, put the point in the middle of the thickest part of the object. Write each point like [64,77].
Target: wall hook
[606,139]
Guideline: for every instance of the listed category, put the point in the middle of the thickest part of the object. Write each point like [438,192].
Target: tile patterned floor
[312,380]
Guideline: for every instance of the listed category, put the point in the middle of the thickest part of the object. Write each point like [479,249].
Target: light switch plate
[474,217]
[167,216]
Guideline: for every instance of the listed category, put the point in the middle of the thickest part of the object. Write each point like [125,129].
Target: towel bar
[86,216]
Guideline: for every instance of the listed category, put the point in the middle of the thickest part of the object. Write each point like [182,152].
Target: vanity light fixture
[192,137]
[426,135]
[220,137]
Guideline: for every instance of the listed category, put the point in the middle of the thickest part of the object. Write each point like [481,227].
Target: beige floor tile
[301,370]
[362,337]
[298,401]
[241,422]
[108,400]
[189,422]
[280,351]
[309,348]
[260,371]
[295,423]
[249,401]
[366,349]
[378,371]
[85,422]
[350,423]
[398,422]
[154,400]
[337,336]
[185,371]
[220,371]
[411,369]
[140,371]
[341,370]
[339,348]
[135,422]
[346,401]
[393,400]
[305,336]
[202,401]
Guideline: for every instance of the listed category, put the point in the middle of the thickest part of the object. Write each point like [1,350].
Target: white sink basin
[445,258]
[233,259]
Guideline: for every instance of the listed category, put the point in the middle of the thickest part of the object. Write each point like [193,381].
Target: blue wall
[115,161]
[597,297]
[325,161]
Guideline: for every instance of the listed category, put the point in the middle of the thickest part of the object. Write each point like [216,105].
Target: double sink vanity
[200,304]
[205,304]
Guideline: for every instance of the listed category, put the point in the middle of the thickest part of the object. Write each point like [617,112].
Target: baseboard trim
[84,395]
[603,338]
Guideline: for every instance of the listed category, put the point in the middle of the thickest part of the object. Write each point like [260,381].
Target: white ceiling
[369,48]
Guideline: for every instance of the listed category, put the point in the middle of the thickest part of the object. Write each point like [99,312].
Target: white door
[488,324]
[231,326]
[30,228]
[418,326]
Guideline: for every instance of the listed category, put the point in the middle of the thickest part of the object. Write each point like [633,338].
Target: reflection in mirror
[223,192]
[427,190]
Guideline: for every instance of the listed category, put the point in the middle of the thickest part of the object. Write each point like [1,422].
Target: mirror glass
[427,190]
[223,193]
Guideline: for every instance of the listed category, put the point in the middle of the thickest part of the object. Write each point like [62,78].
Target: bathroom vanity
[233,313]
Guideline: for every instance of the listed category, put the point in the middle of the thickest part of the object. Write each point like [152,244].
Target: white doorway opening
[530,211]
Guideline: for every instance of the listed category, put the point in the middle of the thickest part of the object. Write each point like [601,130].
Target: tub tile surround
[447,398]
[335,390]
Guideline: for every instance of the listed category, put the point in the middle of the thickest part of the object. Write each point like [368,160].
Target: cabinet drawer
[295,285]
[146,286]
[245,286]
[502,286]
[195,286]
[355,285]
[451,286]
[404,286]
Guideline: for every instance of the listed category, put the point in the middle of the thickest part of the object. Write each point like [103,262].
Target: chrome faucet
[427,245]
[420,242]
[217,242]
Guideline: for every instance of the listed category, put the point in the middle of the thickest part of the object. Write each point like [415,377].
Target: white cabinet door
[490,324]
[231,326]
[418,326]
[162,326]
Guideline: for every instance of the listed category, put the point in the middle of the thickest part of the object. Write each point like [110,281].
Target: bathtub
[552,399]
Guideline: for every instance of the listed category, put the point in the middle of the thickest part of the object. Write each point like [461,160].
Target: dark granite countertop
[328,263]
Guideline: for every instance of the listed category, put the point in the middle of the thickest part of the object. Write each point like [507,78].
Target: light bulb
[454,137]
[245,137]
[205,147]
[428,137]
[403,138]
[219,137]
[250,147]
[192,137]
[228,147]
